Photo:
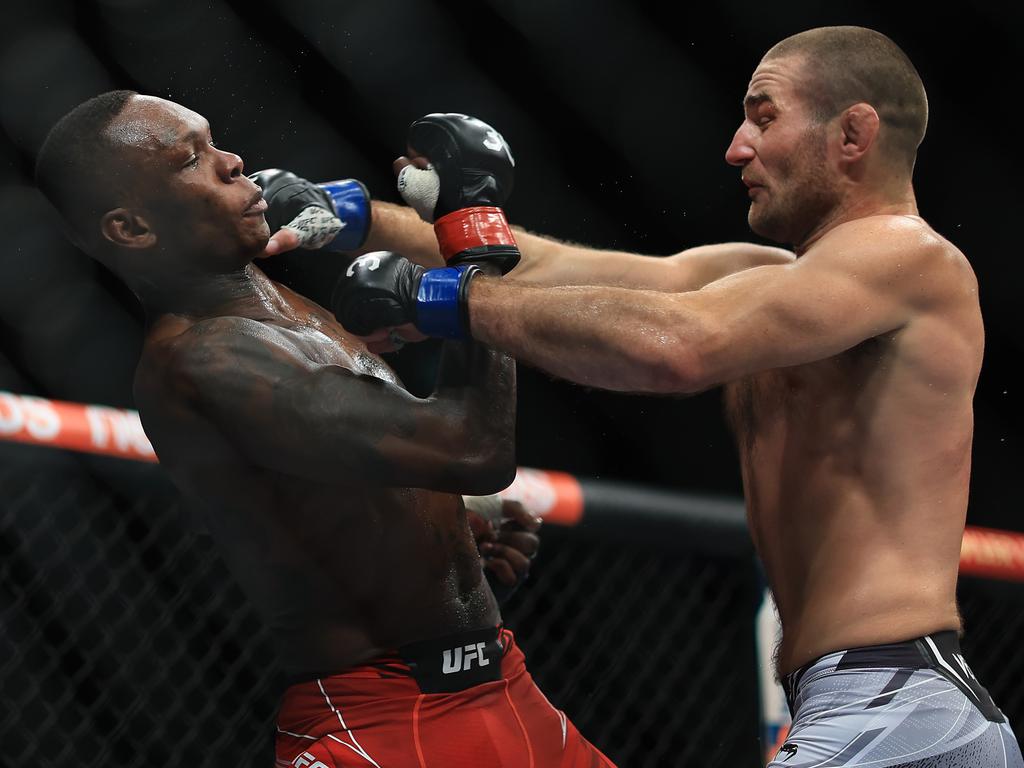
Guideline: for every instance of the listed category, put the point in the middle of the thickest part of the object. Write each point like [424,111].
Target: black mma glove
[383,290]
[469,179]
[334,215]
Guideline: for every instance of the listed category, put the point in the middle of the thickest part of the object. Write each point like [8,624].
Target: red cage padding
[556,496]
[75,427]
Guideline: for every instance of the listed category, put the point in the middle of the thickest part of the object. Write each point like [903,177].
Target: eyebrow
[189,137]
[755,99]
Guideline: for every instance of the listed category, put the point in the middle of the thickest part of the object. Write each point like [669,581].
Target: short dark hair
[847,65]
[73,167]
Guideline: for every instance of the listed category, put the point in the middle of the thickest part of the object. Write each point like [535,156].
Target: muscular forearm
[607,337]
[399,229]
[549,262]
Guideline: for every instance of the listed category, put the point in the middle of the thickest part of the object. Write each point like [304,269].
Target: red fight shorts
[464,701]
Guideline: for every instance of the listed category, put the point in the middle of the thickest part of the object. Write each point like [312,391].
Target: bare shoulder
[909,238]
[175,361]
[903,252]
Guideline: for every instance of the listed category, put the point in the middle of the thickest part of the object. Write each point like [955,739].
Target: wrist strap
[441,307]
[469,228]
[351,202]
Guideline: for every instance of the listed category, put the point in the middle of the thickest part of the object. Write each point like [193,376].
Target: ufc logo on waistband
[461,659]
[306,760]
[959,659]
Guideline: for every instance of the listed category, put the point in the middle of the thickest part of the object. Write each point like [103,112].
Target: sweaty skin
[850,376]
[856,467]
[332,492]
[849,372]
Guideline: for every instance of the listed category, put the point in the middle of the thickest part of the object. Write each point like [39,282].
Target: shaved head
[843,66]
[143,188]
[77,167]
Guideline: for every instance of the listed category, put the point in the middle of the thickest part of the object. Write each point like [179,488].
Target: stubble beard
[793,211]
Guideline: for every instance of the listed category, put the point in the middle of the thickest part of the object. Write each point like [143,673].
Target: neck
[860,206]
[246,292]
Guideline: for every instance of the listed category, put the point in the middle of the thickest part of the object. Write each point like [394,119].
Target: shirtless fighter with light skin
[849,376]
[333,493]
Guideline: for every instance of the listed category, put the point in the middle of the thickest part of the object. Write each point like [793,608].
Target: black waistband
[939,652]
[456,662]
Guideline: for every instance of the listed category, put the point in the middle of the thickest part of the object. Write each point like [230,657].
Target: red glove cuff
[469,228]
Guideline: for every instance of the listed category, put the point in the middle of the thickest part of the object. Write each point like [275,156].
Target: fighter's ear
[127,228]
[859,124]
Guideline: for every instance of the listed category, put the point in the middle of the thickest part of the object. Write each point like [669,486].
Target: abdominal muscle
[842,579]
[857,512]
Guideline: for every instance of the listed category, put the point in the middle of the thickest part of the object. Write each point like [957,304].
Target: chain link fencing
[124,642]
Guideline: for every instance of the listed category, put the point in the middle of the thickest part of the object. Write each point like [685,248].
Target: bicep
[783,315]
[696,267]
[324,422]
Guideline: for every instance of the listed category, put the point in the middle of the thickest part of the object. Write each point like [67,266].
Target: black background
[618,113]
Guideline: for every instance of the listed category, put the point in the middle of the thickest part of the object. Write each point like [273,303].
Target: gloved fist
[473,162]
[462,190]
[506,535]
[334,215]
[383,290]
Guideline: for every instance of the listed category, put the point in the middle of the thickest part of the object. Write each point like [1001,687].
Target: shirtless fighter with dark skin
[334,494]
[314,458]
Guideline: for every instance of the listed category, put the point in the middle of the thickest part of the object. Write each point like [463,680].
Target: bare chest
[316,335]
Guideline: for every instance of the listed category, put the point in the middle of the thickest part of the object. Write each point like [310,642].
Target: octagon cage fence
[124,641]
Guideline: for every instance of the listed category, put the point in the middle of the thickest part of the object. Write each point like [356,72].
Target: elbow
[692,361]
[495,465]
[492,468]
[769,254]
[479,462]
[680,378]
[488,479]
[699,375]
[501,468]
[679,370]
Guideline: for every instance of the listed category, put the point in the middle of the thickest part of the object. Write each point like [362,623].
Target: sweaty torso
[856,469]
[340,572]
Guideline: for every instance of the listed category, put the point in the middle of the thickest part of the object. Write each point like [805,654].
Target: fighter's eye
[193,162]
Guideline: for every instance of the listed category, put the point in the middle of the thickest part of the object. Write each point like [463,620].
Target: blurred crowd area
[618,112]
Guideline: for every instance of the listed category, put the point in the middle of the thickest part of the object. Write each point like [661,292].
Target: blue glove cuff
[351,203]
[440,306]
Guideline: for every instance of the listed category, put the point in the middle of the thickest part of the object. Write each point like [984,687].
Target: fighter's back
[856,466]
[341,565]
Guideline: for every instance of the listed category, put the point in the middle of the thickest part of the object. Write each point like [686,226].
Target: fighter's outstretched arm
[326,422]
[762,318]
[398,228]
[546,261]
[549,262]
